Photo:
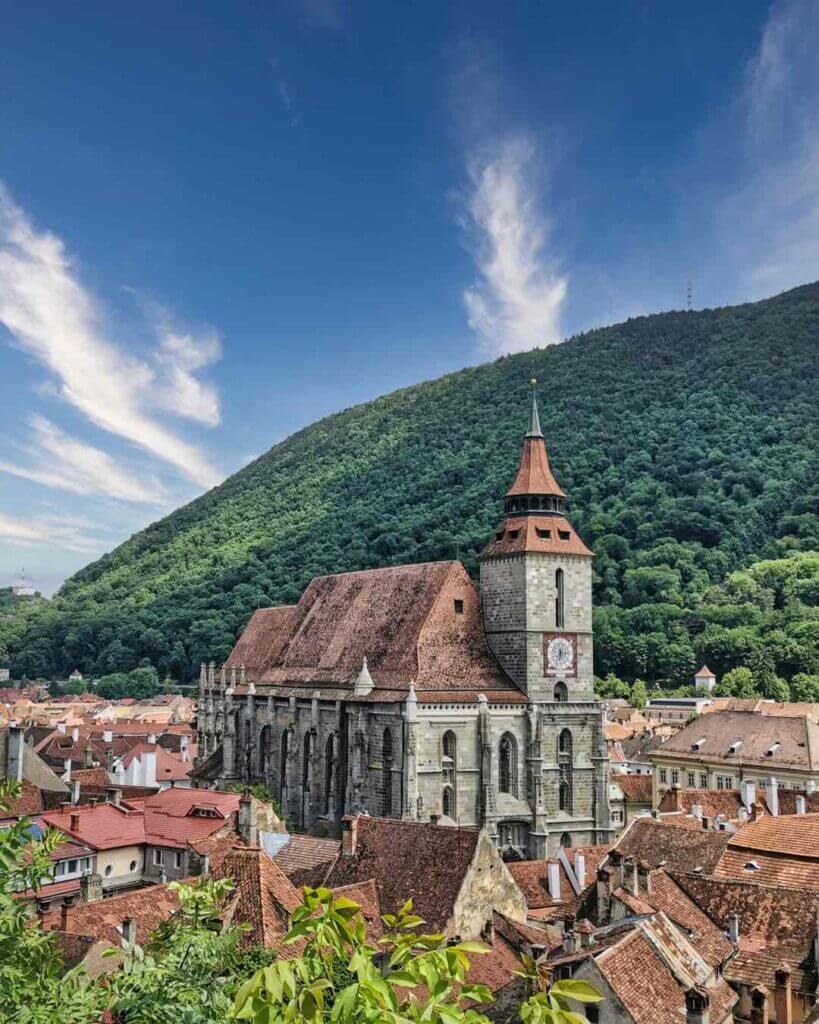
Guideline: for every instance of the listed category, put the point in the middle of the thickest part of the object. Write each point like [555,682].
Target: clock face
[560,654]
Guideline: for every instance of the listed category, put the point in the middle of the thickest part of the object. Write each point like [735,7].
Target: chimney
[553,871]
[747,792]
[732,927]
[107,736]
[247,823]
[810,787]
[91,888]
[14,753]
[772,798]
[783,1004]
[759,1005]
[706,822]
[75,792]
[349,825]
[757,811]
[152,737]
[696,1006]
[67,769]
[570,937]
[129,930]
[800,804]
[61,727]
[114,794]
[75,821]
[580,869]
[603,895]
[644,875]
[696,811]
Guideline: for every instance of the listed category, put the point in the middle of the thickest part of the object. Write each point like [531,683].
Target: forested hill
[687,443]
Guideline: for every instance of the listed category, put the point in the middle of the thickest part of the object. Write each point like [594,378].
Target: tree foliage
[687,443]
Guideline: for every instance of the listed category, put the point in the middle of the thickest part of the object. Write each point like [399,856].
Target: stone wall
[487,885]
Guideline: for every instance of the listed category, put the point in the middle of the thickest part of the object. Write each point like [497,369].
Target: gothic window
[264,749]
[508,765]
[561,692]
[308,753]
[329,772]
[387,755]
[283,764]
[566,840]
[559,599]
[449,802]
[513,839]
[564,764]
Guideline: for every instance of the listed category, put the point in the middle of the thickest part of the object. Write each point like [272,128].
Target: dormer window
[735,746]
[564,534]
[514,534]
[772,749]
[543,534]
[500,534]
[698,744]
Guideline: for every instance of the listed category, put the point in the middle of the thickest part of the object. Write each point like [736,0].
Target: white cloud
[517,301]
[57,460]
[52,317]
[62,532]
[770,224]
[17,530]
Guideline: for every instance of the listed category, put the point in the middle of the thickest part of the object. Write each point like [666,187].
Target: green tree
[639,694]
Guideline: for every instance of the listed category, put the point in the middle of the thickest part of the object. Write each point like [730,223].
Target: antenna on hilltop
[689,292]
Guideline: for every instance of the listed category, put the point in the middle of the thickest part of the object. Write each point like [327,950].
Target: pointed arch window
[564,764]
[448,802]
[561,692]
[566,840]
[449,753]
[264,749]
[329,773]
[285,751]
[559,599]
[387,760]
[308,753]
[508,765]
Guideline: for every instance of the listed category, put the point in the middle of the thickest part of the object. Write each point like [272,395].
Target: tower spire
[534,418]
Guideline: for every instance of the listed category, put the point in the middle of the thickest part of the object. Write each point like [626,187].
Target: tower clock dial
[559,654]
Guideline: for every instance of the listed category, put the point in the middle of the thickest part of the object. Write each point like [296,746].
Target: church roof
[412,622]
[552,535]
[534,473]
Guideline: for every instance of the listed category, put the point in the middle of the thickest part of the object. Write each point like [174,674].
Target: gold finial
[533,381]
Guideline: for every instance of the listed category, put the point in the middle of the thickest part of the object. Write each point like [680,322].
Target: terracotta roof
[28,803]
[402,618]
[714,802]
[307,860]
[637,789]
[776,924]
[650,989]
[535,533]
[218,845]
[408,859]
[103,919]
[171,817]
[365,894]
[534,475]
[703,673]
[73,948]
[264,898]
[664,894]
[532,877]
[102,826]
[768,869]
[789,740]
[793,835]
[169,766]
[96,779]
[616,731]
[678,849]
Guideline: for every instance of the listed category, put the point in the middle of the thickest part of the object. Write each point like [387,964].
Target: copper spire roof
[534,473]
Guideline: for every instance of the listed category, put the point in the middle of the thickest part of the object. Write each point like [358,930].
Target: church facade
[405,692]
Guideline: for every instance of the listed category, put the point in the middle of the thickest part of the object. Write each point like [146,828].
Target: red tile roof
[171,817]
[102,919]
[544,534]
[410,860]
[402,618]
[534,475]
[365,894]
[678,849]
[768,869]
[637,789]
[264,898]
[793,835]
[102,826]
[307,860]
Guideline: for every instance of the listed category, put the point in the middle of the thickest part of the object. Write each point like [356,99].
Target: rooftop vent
[735,746]
[772,749]
[751,865]
[696,745]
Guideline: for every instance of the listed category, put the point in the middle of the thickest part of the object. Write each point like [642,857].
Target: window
[725,782]
[616,817]
[703,780]
[566,841]
[561,693]
[564,534]
[264,749]
[158,859]
[500,534]
[459,606]
[177,859]
[329,773]
[691,780]
[283,764]
[559,599]
[663,775]
[544,534]
[448,802]
[675,777]
[387,758]
[508,765]
[108,869]
[564,768]
[132,866]
[513,534]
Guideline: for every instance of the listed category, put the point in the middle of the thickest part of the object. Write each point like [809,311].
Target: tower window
[564,763]
[513,534]
[500,534]
[544,534]
[387,756]
[559,599]
[508,765]
[449,802]
[564,535]
[459,606]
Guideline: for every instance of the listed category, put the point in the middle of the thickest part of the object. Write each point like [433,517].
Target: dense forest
[687,443]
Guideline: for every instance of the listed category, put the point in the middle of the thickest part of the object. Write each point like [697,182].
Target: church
[406,692]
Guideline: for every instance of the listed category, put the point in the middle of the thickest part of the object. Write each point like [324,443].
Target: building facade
[405,692]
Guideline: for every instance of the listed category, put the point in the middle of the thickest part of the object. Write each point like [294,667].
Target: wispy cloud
[23,532]
[54,459]
[56,531]
[517,300]
[770,224]
[51,316]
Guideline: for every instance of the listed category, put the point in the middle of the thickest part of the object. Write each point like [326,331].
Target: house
[556,889]
[115,833]
[638,792]
[454,876]
[41,787]
[656,843]
[716,751]
[773,850]
[152,766]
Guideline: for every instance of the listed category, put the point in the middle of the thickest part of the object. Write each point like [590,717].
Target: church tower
[536,584]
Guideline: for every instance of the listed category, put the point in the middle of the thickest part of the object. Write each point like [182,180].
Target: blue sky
[219,222]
